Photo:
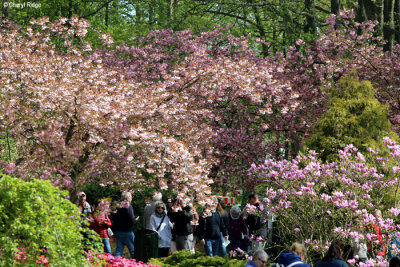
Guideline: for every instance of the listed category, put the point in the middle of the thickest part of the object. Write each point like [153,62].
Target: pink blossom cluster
[105,259]
[318,202]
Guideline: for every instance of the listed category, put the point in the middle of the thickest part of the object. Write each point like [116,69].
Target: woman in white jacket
[160,223]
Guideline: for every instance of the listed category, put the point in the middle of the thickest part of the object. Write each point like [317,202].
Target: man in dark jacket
[253,221]
[259,227]
[124,223]
[210,228]
[181,216]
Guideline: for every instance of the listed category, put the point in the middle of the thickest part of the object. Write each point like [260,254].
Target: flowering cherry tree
[73,120]
[240,98]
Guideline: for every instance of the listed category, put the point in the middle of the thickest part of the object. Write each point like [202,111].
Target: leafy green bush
[185,258]
[39,225]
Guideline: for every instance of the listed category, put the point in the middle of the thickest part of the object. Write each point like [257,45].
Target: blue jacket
[332,263]
[285,259]
[250,264]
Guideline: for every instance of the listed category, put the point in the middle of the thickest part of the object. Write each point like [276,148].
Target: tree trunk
[4,11]
[388,27]
[260,28]
[335,7]
[70,6]
[171,9]
[381,21]
[138,13]
[367,10]
[151,12]
[106,16]
[310,24]
[397,19]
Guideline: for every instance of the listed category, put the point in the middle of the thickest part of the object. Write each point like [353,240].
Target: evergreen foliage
[185,258]
[354,116]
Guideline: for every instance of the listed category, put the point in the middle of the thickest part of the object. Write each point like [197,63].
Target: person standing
[238,232]
[333,257]
[221,208]
[160,223]
[182,215]
[170,203]
[194,223]
[84,206]
[209,231]
[259,226]
[293,258]
[149,210]
[124,223]
[253,221]
[377,248]
[99,222]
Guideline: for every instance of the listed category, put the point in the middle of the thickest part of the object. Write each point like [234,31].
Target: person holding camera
[181,215]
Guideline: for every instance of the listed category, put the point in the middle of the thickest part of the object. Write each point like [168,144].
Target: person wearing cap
[84,206]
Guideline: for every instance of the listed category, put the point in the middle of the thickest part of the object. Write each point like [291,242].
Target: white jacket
[164,233]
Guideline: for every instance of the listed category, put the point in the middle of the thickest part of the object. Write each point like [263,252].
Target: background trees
[279,23]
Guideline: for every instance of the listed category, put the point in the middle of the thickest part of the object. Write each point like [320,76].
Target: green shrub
[185,258]
[36,219]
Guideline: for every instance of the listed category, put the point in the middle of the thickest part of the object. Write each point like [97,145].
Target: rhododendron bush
[317,203]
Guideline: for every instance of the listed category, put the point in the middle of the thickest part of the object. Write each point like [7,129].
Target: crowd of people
[217,229]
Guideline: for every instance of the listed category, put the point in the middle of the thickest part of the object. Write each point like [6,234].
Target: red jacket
[380,248]
[100,227]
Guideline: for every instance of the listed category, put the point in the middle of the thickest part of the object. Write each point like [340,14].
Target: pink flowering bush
[316,203]
[108,260]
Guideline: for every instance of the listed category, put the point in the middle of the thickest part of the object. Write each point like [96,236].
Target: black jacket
[253,222]
[181,220]
[211,227]
[124,220]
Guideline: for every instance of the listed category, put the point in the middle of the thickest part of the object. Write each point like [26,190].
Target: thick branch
[97,10]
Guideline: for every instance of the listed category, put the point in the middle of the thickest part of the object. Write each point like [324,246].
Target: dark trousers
[163,252]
